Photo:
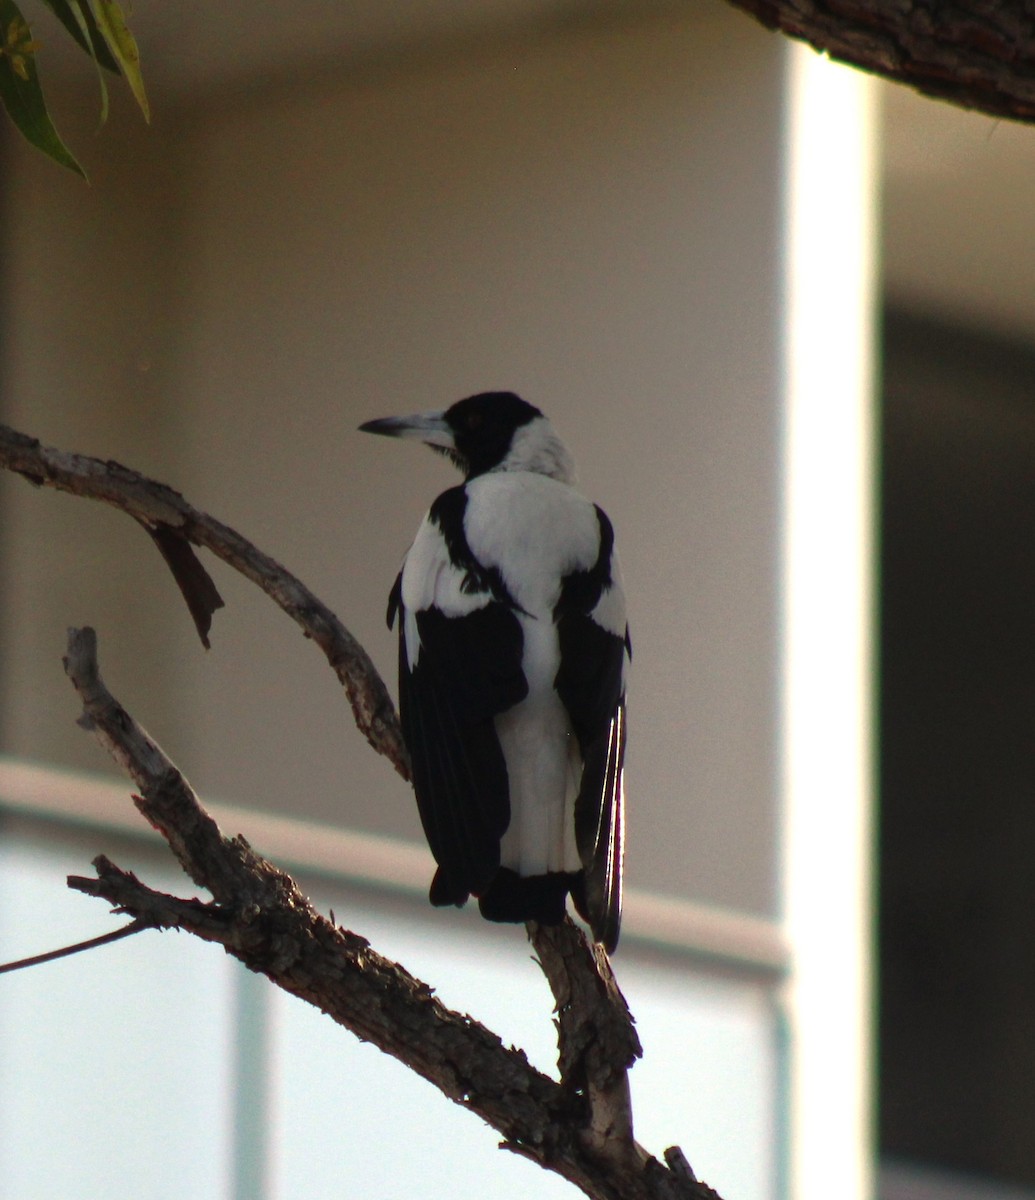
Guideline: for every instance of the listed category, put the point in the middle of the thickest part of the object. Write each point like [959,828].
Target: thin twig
[52,955]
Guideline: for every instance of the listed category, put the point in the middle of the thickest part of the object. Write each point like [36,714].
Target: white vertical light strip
[828,669]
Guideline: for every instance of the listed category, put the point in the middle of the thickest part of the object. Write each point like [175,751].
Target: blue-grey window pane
[114,1073]
[349,1120]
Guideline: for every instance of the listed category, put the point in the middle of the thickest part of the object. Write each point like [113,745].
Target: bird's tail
[513,897]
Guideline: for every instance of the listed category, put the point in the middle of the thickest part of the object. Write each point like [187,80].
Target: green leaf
[20,90]
[112,23]
[82,26]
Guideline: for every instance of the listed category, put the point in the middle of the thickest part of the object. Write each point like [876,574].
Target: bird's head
[492,431]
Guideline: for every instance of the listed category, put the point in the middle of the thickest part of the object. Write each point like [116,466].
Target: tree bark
[975,54]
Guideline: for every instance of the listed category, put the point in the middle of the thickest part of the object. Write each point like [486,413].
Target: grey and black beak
[430,428]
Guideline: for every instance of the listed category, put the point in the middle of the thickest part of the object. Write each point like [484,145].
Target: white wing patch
[430,580]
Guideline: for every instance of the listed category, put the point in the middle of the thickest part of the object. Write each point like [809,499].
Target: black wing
[591,691]
[468,670]
[590,682]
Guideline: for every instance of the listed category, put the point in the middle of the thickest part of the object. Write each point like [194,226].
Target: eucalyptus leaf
[20,90]
[111,21]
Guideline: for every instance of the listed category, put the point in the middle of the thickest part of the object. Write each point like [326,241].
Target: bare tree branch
[580,1127]
[175,526]
[975,54]
[595,1031]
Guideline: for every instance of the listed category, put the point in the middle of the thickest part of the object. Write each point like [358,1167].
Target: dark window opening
[957,729]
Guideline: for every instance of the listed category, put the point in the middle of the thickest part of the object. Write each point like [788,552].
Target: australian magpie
[513,651]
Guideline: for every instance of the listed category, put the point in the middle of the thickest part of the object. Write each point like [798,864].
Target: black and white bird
[513,652]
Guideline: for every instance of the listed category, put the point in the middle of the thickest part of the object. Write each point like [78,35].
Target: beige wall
[591,218]
[86,349]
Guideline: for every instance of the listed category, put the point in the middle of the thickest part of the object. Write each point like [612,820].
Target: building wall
[614,218]
[590,218]
[86,344]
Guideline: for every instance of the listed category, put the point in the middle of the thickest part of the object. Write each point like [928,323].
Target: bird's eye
[474,420]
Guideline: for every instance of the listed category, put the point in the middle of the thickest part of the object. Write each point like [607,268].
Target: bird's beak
[430,428]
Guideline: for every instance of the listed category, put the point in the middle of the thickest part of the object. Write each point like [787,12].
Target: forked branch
[580,1125]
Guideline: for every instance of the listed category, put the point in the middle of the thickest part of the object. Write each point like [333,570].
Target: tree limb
[579,1127]
[974,54]
[176,526]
